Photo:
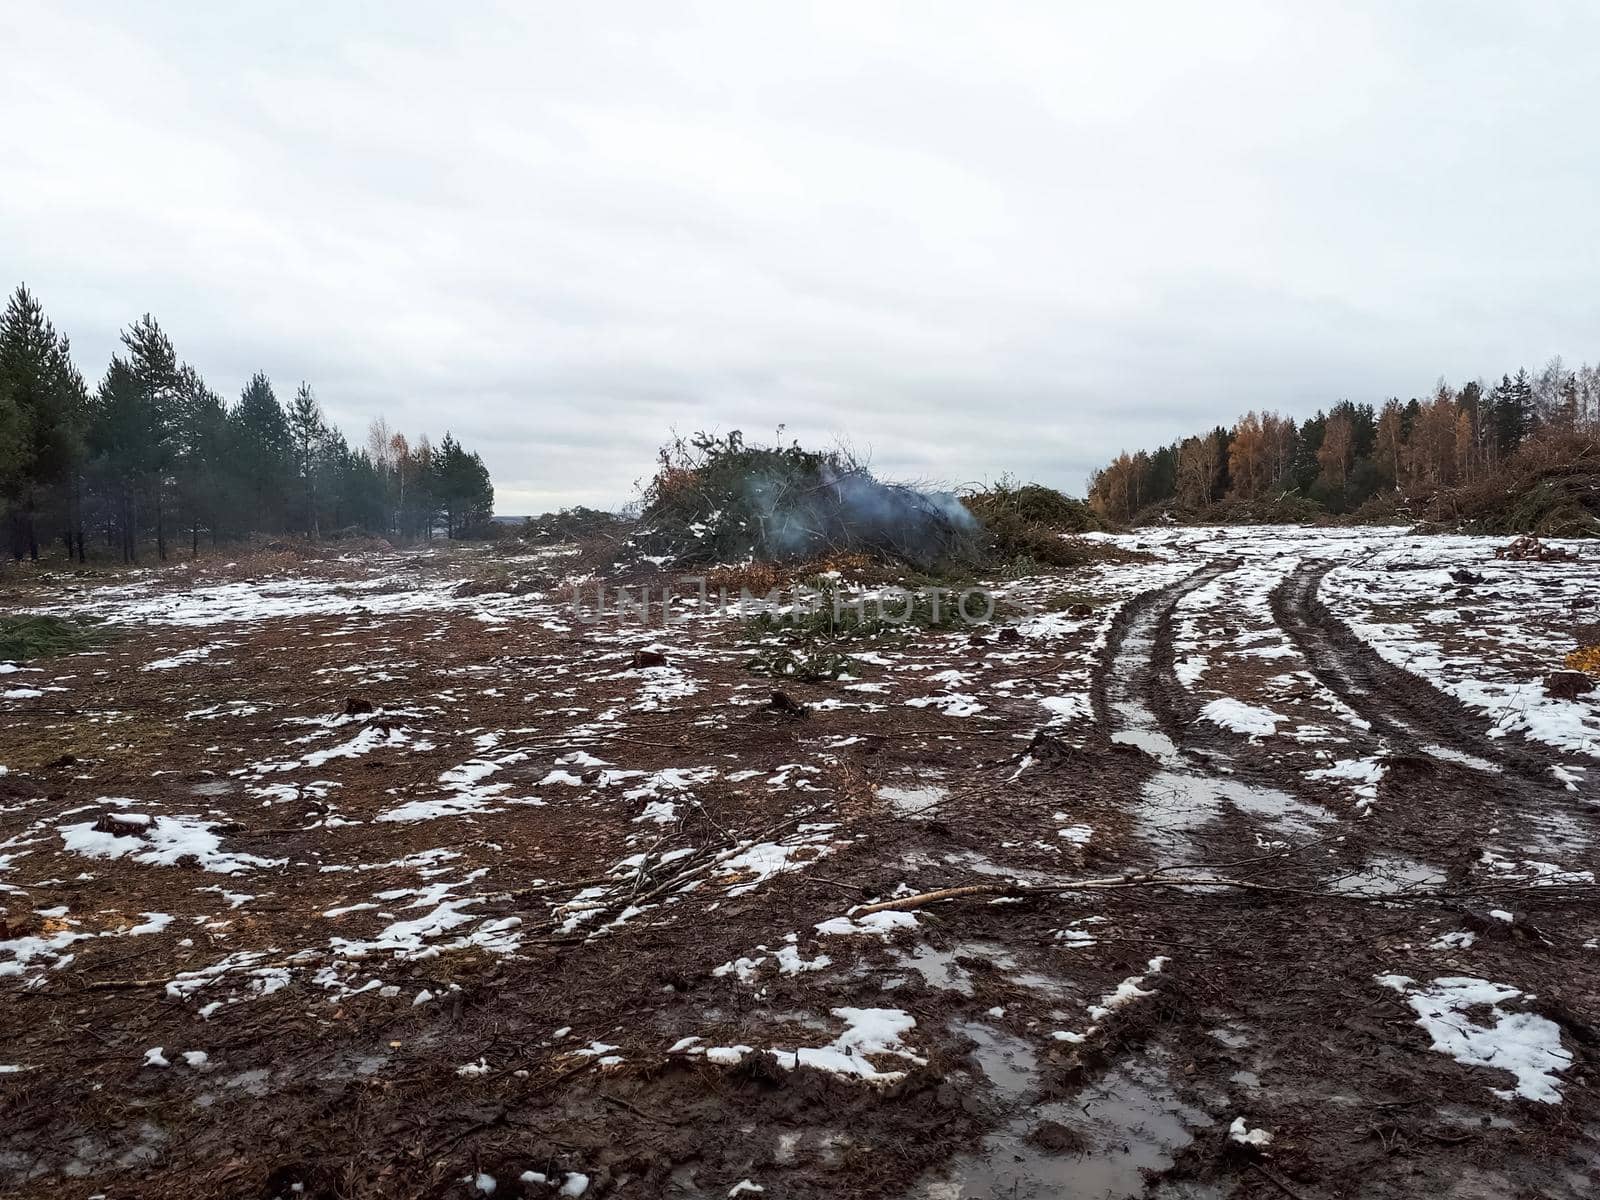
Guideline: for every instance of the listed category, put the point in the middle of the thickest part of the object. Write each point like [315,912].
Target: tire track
[1419,722]
[1126,688]
[1189,790]
[1414,716]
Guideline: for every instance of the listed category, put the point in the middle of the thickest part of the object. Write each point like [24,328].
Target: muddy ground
[388,875]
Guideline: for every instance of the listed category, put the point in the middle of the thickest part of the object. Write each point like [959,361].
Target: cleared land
[338,877]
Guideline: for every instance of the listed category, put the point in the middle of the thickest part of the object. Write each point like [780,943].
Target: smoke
[719,499]
[843,508]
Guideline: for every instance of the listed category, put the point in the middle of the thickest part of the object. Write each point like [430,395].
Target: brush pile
[717,499]
[1550,488]
[1531,549]
[1028,525]
[28,637]
[577,524]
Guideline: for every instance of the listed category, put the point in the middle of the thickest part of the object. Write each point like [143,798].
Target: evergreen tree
[465,494]
[364,496]
[259,436]
[1308,446]
[1363,429]
[307,432]
[202,440]
[126,434]
[1523,397]
[15,467]
[155,368]
[1408,417]
[1161,480]
[154,447]
[42,412]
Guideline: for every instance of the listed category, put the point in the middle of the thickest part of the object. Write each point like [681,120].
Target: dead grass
[759,578]
[134,740]
[1585,659]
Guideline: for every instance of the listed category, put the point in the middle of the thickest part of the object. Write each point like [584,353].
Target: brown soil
[1267,1007]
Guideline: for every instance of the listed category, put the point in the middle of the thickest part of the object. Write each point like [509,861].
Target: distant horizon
[355,430]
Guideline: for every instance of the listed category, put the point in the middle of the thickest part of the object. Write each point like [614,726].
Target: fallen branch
[116,985]
[1277,1181]
[906,903]
[684,870]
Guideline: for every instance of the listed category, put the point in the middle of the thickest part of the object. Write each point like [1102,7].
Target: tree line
[152,454]
[1355,453]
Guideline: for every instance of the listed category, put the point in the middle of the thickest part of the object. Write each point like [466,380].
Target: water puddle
[1385,874]
[1097,1144]
[1140,733]
[1445,754]
[1172,804]
[938,969]
[356,1066]
[89,1154]
[941,968]
[254,1082]
[1230,1036]
[1554,830]
[1008,1063]
[1129,680]
[981,864]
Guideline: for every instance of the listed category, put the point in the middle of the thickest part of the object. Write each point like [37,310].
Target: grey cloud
[1017,238]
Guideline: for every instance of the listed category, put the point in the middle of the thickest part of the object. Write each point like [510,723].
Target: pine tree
[202,454]
[1161,481]
[125,435]
[1308,445]
[153,446]
[154,366]
[42,408]
[1524,415]
[263,450]
[463,488]
[307,431]
[1363,429]
[14,464]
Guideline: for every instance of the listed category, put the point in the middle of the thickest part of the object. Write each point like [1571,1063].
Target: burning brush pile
[720,500]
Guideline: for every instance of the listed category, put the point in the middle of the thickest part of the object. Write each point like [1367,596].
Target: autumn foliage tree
[1351,453]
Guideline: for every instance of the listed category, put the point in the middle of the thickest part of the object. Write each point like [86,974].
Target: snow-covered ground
[1488,643]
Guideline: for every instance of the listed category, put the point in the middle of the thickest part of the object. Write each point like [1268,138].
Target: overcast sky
[968,238]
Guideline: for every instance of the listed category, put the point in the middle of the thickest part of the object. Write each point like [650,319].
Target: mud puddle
[948,969]
[1097,1144]
[1385,874]
[1173,804]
